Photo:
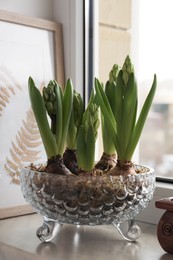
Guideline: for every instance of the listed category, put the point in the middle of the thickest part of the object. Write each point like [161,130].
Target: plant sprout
[69,156]
[58,105]
[109,157]
[69,137]
[120,110]
[87,136]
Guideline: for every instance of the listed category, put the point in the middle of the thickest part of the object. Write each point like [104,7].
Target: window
[154,54]
[143,29]
[152,51]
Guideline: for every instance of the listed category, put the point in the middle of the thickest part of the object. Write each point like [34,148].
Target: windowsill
[18,241]
[152,214]
[163,185]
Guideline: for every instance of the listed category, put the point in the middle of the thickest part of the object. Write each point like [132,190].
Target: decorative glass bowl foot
[48,230]
[132,233]
[88,200]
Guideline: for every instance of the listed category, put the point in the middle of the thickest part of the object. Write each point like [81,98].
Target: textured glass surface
[88,200]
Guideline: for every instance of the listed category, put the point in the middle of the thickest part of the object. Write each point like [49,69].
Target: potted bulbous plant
[70,187]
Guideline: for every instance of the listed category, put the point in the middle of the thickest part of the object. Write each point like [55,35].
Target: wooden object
[165,225]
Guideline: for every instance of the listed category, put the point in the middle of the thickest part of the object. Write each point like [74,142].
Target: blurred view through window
[155,55]
[143,29]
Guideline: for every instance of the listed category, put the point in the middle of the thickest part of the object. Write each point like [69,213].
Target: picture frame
[28,47]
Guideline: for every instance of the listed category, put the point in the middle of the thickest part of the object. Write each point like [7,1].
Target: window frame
[70,14]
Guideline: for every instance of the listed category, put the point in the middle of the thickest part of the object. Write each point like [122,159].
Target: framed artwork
[28,47]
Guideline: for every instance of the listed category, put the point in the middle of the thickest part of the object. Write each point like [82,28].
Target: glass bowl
[88,200]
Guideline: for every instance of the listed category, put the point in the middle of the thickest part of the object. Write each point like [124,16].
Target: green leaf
[67,103]
[141,121]
[102,100]
[39,111]
[78,108]
[87,135]
[86,148]
[110,91]
[81,148]
[58,109]
[128,113]
[90,149]
[106,110]
[108,144]
[72,132]
[75,120]
[118,103]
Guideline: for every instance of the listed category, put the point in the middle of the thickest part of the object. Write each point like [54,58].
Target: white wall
[67,12]
[37,8]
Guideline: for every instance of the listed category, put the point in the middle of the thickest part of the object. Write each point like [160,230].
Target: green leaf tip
[114,73]
[127,69]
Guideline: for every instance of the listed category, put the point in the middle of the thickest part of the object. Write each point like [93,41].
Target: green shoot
[87,136]
[119,109]
[75,121]
[133,140]
[58,105]
[39,110]
[109,119]
[75,128]
[67,104]
[108,145]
